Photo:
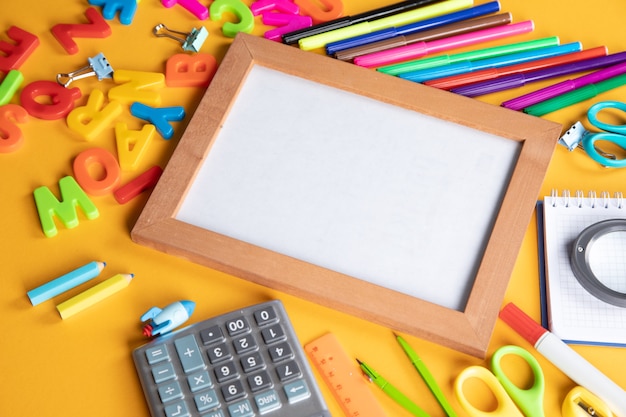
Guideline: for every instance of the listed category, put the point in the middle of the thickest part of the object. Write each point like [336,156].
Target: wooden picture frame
[466,328]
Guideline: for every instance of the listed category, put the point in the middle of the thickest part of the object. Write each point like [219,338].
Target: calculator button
[288,371]
[259,381]
[189,353]
[245,344]
[216,413]
[219,353]
[233,391]
[273,334]
[211,335]
[170,391]
[280,352]
[206,400]
[252,362]
[241,409]
[226,371]
[265,316]
[157,354]
[297,391]
[199,381]
[237,326]
[162,373]
[177,410]
[267,401]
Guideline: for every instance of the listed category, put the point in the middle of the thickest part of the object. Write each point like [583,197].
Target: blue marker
[421,76]
[334,47]
[65,282]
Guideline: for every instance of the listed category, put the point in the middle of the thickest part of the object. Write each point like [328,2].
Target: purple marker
[520,79]
[543,94]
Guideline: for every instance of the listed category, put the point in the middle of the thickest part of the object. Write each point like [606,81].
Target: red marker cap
[522,323]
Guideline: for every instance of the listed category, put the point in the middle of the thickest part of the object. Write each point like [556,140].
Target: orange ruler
[343,377]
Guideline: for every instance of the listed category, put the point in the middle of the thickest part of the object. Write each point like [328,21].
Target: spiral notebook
[572,313]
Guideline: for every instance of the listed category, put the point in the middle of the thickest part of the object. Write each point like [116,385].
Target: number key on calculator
[244,363]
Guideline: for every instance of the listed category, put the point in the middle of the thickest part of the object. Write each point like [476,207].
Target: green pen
[575,96]
[392,391]
[426,376]
[436,61]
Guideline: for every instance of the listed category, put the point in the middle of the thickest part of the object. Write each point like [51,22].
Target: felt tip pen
[65,282]
[425,36]
[293,37]
[392,391]
[566,359]
[94,295]
[529,99]
[484,53]
[427,24]
[436,9]
[419,49]
[469,66]
[472,78]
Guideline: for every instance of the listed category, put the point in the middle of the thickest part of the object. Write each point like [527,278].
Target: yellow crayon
[94,294]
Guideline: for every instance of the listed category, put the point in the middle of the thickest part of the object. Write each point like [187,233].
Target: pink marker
[420,49]
[566,359]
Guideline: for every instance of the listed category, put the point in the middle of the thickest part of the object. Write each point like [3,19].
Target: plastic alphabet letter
[9,86]
[105,183]
[182,70]
[193,6]
[11,138]
[59,103]
[136,86]
[159,117]
[334,9]
[91,120]
[15,55]
[283,6]
[132,144]
[286,23]
[71,197]
[96,28]
[239,9]
[127,9]
[136,186]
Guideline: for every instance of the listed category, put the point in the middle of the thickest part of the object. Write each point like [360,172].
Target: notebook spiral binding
[592,200]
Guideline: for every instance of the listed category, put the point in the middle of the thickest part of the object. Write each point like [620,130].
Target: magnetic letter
[182,70]
[137,86]
[135,187]
[9,86]
[96,28]
[15,55]
[127,9]
[159,117]
[102,184]
[334,9]
[193,6]
[71,197]
[11,138]
[239,9]
[286,23]
[59,103]
[90,120]
[132,144]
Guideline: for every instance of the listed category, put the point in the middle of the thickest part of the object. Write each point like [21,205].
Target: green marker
[426,376]
[425,63]
[575,96]
[392,391]
[400,19]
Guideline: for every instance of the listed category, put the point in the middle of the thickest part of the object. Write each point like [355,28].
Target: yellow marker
[94,294]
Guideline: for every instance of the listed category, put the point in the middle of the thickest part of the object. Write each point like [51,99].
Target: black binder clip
[98,66]
[192,41]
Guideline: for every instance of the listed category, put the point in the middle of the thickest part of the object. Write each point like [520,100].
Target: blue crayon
[421,76]
[65,282]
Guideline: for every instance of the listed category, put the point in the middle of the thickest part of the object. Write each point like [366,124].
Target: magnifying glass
[599,261]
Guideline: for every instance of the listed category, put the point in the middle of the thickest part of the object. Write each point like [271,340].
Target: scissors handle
[529,400]
[505,407]
[603,158]
[592,115]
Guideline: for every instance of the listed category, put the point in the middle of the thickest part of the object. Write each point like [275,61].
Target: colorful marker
[460,80]
[94,294]
[566,359]
[554,90]
[491,52]
[469,66]
[65,282]
[319,41]
[420,49]
[427,24]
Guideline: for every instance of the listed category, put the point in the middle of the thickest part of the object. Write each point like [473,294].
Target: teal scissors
[578,136]
[511,399]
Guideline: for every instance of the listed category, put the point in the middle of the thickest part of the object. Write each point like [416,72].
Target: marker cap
[522,323]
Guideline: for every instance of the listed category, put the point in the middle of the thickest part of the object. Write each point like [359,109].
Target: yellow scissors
[511,399]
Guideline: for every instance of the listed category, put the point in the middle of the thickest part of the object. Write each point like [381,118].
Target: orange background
[83,366]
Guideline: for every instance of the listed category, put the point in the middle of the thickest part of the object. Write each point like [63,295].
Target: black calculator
[244,363]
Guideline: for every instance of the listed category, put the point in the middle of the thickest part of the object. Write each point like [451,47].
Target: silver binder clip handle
[98,67]
[573,136]
[190,41]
